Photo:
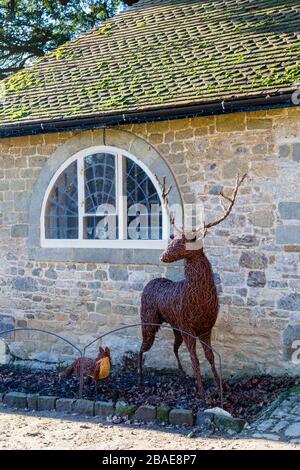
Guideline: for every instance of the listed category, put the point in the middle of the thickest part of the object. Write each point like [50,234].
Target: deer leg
[149,333]
[191,346]
[209,354]
[178,342]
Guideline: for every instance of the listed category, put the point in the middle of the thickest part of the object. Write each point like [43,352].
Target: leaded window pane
[85,202]
[103,227]
[61,216]
[144,214]
[99,183]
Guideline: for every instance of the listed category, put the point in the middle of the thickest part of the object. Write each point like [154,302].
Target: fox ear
[107,351]
[101,350]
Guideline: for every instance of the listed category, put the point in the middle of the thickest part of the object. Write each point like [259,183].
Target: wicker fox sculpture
[97,369]
[191,305]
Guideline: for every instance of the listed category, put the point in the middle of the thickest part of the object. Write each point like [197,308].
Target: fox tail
[69,370]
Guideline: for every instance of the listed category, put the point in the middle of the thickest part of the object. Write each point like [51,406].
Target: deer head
[189,244]
[182,247]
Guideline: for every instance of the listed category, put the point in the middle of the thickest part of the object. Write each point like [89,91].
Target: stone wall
[255,253]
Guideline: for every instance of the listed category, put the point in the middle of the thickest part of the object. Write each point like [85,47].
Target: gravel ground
[52,431]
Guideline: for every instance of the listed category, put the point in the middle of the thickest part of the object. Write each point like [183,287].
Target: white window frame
[121,242]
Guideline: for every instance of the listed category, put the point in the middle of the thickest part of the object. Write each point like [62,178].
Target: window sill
[126,256]
[107,244]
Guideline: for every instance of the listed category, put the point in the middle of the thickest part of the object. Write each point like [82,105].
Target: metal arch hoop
[82,352]
[43,331]
[168,328]
[56,336]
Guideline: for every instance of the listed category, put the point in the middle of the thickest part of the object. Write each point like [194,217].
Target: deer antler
[165,197]
[231,200]
[205,227]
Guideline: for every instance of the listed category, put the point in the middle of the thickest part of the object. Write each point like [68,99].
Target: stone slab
[15,400]
[103,408]
[84,407]
[181,416]
[46,403]
[146,413]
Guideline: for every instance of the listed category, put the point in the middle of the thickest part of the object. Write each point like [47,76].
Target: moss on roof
[162,53]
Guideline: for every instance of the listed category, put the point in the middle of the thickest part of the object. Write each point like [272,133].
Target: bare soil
[52,431]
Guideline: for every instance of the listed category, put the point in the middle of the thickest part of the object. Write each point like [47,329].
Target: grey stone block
[4,184]
[290,302]
[34,236]
[117,139]
[296,152]
[51,274]
[100,275]
[228,423]
[103,256]
[51,254]
[125,409]
[118,273]
[278,284]
[289,210]
[84,255]
[253,260]
[46,403]
[15,400]
[146,413]
[125,309]
[6,323]
[217,279]
[104,408]
[288,235]
[103,306]
[94,285]
[90,306]
[65,405]
[290,335]
[19,231]
[189,198]
[204,420]
[84,407]
[21,201]
[216,190]
[246,240]
[181,416]
[32,401]
[25,284]
[175,274]
[284,151]
[147,257]
[293,430]
[256,279]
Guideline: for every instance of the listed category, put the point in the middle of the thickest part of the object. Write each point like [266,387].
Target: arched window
[103,197]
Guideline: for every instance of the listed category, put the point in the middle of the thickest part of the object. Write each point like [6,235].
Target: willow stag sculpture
[190,306]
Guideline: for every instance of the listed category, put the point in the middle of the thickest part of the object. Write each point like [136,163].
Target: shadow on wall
[54,349]
[251,354]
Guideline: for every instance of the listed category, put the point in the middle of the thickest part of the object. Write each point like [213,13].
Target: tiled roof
[162,53]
